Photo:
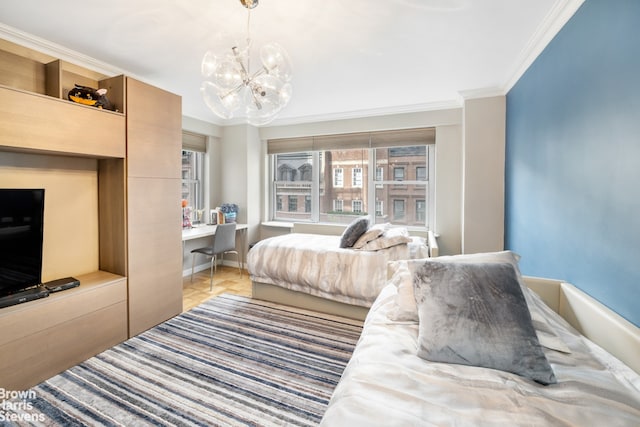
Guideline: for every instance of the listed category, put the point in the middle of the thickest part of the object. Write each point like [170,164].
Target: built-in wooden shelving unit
[43,337]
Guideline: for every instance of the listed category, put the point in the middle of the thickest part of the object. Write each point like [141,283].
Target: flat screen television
[21,232]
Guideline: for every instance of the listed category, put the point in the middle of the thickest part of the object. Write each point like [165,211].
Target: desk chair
[224,241]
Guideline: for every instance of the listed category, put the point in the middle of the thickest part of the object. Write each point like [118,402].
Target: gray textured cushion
[353,231]
[475,314]
[547,335]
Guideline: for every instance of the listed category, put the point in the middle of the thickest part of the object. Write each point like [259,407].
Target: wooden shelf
[25,69]
[34,122]
[68,327]
[41,338]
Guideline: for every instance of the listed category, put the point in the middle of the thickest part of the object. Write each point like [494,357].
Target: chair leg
[193,262]
[213,263]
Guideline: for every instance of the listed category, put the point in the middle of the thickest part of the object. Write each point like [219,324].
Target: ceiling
[350,58]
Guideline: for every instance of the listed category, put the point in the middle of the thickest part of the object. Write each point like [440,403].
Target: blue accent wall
[572,173]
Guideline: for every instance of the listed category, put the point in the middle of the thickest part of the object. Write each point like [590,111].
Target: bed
[311,270]
[390,381]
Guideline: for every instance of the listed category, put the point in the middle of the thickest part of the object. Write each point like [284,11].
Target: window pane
[293,179]
[399,162]
[336,200]
[407,201]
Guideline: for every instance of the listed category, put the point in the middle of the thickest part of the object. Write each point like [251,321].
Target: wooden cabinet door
[155,252]
[154,131]
[153,205]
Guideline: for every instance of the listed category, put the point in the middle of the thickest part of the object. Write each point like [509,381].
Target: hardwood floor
[225,280]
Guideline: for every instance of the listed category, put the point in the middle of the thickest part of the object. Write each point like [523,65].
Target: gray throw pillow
[353,231]
[475,314]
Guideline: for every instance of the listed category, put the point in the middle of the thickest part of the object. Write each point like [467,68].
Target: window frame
[197,179]
[320,188]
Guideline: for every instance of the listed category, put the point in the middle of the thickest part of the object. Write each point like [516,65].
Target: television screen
[21,230]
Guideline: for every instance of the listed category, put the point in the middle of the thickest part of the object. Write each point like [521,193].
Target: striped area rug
[231,361]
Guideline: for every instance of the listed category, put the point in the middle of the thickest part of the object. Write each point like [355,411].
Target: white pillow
[391,237]
[371,234]
[405,308]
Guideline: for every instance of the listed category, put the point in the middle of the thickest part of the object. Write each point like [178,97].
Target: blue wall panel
[572,202]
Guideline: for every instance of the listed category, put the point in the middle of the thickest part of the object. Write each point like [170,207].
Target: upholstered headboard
[591,318]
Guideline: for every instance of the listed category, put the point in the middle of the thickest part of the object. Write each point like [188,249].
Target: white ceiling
[350,57]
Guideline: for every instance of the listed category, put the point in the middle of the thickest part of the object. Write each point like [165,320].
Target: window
[356,178]
[195,175]
[286,173]
[193,181]
[398,174]
[293,203]
[337,177]
[421,211]
[398,210]
[293,179]
[319,177]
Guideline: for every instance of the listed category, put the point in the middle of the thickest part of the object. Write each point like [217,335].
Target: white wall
[483,158]
[241,160]
[469,169]
[448,124]
[449,188]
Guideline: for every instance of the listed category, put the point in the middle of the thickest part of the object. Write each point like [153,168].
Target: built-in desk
[199,231]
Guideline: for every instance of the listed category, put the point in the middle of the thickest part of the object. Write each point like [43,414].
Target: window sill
[278,224]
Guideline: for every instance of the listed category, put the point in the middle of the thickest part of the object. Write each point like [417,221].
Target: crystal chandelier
[231,90]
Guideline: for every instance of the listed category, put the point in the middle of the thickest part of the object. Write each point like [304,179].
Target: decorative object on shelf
[186,214]
[86,95]
[199,213]
[230,212]
[231,90]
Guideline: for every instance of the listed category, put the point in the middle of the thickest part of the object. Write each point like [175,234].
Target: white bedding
[387,384]
[316,265]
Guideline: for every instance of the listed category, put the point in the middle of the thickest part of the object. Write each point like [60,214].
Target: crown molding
[480,93]
[376,112]
[557,17]
[49,48]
